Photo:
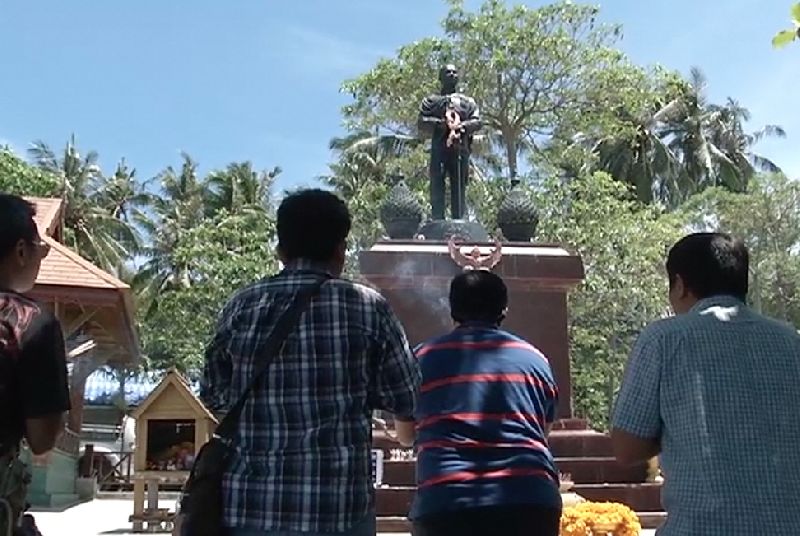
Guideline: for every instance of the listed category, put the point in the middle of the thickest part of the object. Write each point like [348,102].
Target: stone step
[580,444]
[396,500]
[639,497]
[651,520]
[600,470]
[594,470]
[393,501]
[563,443]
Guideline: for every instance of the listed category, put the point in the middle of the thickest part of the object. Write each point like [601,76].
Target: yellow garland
[599,519]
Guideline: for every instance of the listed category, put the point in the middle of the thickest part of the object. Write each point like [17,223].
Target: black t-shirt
[33,370]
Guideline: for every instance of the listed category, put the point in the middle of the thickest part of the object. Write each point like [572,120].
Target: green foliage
[682,143]
[785,37]
[99,208]
[225,252]
[622,243]
[767,218]
[19,177]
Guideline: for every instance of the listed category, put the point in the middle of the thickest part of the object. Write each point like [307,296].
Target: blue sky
[258,80]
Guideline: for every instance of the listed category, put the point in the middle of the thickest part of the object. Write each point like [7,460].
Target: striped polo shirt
[485,398]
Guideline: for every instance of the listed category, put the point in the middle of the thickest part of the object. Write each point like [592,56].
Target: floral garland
[599,519]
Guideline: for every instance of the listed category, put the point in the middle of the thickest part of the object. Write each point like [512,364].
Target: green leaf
[796,12]
[784,38]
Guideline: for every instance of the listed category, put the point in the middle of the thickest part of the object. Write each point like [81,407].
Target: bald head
[448,76]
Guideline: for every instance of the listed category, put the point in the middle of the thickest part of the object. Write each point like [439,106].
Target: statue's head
[448,76]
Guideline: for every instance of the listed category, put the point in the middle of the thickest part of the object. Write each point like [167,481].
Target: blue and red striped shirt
[483,406]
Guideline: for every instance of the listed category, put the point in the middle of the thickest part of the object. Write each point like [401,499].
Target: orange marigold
[599,519]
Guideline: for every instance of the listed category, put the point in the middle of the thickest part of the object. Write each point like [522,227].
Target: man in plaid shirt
[302,463]
[714,390]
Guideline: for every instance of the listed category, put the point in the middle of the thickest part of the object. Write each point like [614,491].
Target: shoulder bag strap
[272,346]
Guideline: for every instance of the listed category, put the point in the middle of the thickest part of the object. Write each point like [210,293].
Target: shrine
[172,424]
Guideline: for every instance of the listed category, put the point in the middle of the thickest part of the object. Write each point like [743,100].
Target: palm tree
[685,146]
[645,162]
[711,142]
[177,209]
[94,220]
[238,187]
[727,133]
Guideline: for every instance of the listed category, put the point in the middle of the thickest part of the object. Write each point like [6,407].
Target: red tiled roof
[62,266]
[48,213]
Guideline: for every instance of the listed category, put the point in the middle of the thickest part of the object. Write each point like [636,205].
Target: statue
[450,119]
[475,260]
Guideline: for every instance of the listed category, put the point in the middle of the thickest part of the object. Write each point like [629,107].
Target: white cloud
[317,53]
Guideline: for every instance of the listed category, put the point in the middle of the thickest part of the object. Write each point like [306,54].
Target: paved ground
[106,517]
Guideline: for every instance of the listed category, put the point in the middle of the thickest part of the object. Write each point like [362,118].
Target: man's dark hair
[478,296]
[311,224]
[710,264]
[16,222]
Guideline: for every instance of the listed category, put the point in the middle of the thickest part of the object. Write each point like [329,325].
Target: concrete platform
[104,517]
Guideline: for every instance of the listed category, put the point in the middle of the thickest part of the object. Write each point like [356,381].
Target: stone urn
[401,213]
[517,216]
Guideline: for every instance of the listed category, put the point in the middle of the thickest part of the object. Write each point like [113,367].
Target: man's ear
[680,288]
[341,251]
[20,252]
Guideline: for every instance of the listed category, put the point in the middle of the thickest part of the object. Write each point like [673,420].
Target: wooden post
[152,502]
[138,503]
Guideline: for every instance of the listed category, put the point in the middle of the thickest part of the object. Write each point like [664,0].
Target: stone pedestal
[415,277]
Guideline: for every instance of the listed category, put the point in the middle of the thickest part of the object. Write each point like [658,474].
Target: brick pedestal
[415,277]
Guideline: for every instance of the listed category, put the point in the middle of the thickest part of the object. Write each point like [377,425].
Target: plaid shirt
[302,460]
[719,387]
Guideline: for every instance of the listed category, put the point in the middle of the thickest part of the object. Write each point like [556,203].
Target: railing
[110,468]
[69,443]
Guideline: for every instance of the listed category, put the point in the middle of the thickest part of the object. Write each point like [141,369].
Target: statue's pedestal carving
[415,277]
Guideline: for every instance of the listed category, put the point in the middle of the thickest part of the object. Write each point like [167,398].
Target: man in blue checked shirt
[714,392]
[302,463]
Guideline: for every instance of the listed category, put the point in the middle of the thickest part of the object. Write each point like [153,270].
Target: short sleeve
[43,368]
[637,409]
[396,374]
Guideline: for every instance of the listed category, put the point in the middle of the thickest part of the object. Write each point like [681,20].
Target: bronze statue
[450,119]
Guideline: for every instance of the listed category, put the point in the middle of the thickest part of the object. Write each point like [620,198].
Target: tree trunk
[83,367]
[510,140]
[76,394]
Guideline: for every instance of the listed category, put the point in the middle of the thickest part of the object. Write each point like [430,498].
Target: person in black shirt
[34,396]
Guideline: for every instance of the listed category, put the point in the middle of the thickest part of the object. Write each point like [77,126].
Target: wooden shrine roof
[175,379]
[66,278]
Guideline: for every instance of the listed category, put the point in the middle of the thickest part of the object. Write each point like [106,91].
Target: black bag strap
[272,346]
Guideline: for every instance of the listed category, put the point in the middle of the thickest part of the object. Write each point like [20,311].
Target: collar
[721,300]
[307,265]
[477,325]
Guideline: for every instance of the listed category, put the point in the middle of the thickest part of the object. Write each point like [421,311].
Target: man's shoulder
[666,327]
[774,327]
[346,289]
